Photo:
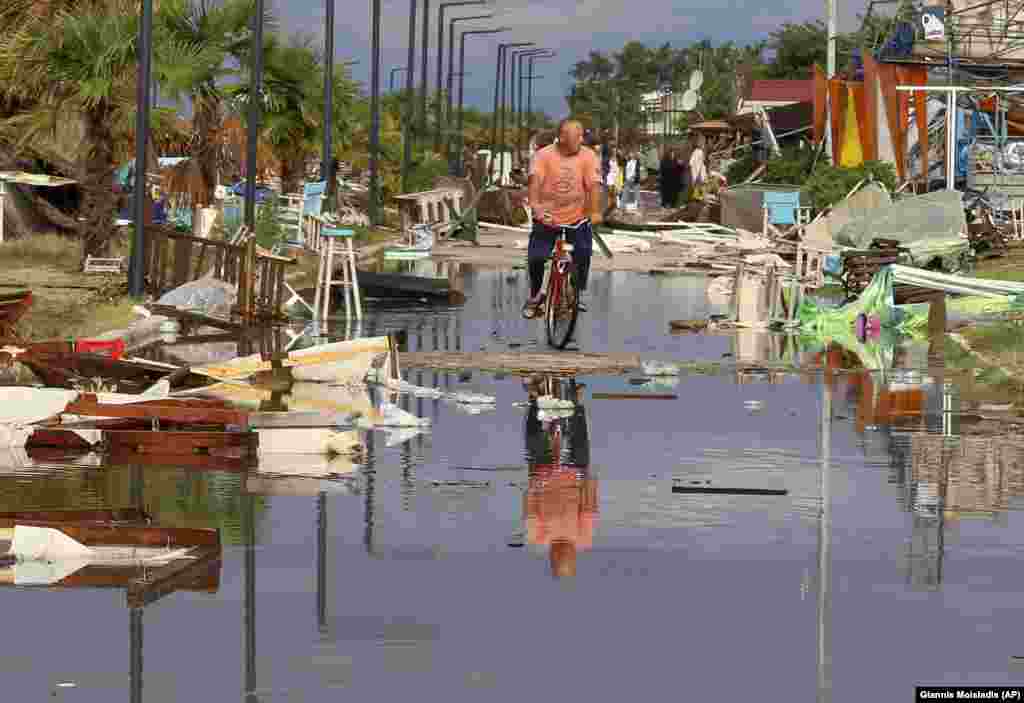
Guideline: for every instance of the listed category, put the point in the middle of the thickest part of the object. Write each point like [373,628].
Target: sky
[572,27]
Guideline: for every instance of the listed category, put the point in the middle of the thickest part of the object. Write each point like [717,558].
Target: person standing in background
[698,167]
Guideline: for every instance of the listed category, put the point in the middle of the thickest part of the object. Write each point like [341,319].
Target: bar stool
[333,238]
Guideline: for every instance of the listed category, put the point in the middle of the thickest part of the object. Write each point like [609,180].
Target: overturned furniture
[430,207]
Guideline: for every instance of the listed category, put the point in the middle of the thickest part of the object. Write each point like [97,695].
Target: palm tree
[292,123]
[216,36]
[78,64]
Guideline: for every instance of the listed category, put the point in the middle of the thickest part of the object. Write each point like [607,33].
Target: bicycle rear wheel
[562,308]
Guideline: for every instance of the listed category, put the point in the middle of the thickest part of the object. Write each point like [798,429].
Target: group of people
[683,173]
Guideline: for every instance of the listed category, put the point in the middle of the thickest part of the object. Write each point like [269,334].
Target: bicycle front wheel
[562,308]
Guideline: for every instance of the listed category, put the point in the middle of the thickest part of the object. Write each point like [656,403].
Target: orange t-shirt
[565,182]
[561,506]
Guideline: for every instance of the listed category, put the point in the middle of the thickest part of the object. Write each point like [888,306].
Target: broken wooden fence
[174,259]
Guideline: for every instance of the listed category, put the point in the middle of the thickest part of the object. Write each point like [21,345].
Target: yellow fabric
[852,153]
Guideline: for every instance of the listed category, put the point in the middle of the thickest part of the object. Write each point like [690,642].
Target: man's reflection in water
[560,505]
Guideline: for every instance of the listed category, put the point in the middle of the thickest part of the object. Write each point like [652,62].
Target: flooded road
[509,554]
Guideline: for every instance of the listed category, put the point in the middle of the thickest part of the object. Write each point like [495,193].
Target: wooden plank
[201,573]
[128,515]
[566,363]
[182,262]
[194,317]
[121,456]
[170,410]
[172,443]
[93,534]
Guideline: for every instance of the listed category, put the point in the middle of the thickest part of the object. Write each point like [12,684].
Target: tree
[211,35]
[798,47]
[82,64]
[293,104]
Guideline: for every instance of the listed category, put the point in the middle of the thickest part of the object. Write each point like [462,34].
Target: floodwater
[502,557]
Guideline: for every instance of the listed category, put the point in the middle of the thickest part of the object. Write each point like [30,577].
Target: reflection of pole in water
[249,537]
[321,561]
[135,642]
[824,544]
[136,485]
[371,475]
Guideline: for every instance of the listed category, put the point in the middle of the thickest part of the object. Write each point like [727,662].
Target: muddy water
[500,557]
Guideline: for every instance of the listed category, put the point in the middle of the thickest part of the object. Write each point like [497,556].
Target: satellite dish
[689,100]
[696,80]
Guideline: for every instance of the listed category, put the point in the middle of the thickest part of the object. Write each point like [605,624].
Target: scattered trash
[392,416]
[549,402]
[207,295]
[554,414]
[688,325]
[657,368]
[753,405]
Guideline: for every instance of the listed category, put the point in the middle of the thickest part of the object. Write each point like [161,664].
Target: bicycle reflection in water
[560,504]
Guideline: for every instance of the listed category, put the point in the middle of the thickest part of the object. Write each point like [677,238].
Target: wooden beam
[185,411]
[199,573]
[128,515]
[93,534]
[564,363]
[187,443]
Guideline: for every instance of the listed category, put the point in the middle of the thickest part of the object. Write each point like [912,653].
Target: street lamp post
[391,83]
[462,67]
[255,103]
[526,54]
[506,88]
[374,111]
[326,171]
[410,109]
[136,277]
[423,67]
[529,86]
[451,60]
[440,63]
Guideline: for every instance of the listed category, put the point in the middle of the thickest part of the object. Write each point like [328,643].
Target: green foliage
[825,186]
[268,224]
[740,169]
[791,168]
[427,168]
[829,184]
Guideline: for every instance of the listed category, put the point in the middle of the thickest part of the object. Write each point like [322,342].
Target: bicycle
[562,304]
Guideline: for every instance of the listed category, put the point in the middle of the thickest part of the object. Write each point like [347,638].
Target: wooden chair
[299,208]
[782,209]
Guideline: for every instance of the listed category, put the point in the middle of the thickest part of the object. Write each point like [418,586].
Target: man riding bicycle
[564,191]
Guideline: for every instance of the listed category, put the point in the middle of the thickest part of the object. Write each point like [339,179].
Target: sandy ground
[497,248]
